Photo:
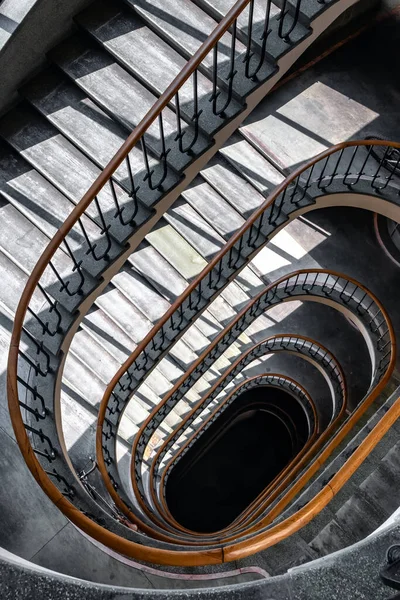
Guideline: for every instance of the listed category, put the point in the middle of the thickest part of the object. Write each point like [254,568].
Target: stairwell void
[236,458]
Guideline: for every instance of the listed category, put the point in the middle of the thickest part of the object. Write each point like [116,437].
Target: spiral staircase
[148,324]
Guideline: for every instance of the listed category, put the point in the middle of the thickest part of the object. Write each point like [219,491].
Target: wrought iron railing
[340,170]
[347,167]
[316,284]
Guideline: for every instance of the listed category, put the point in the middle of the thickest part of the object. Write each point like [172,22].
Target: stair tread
[94,356]
[127,428]
[291,126]
[158,271]
[124,313]
[135,324]
[24,242]
[187,228]
[120,345]
[137,289]
[97,73]
[152,304]
[213,208]
[232,186]
[251,164]
[99,325]
[172,246]
[185,31]
[13,283]
[83,380]
[194,229]
[219,8]
[138,48]
[37,199]
[50,153]
[80,120]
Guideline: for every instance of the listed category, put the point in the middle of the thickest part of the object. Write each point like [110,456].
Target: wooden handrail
[215,386]
[192,286]
[125,547]
[216,341]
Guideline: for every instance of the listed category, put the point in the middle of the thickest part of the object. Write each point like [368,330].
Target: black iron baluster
[285,36]
[181,317]
[381,166]
[220,112]
[76,267]
[120,209]
[279,208]
[134,188]
[161,345]
[194,119]
[69,491]
[52,308]
[31,363]
[52,453]
[92,246]
[335,169]
[36,396]
[361,170]
[322,174]
[163,157]
[264,38]
[39,349]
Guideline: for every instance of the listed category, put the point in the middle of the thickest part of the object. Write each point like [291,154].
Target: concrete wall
[26,37]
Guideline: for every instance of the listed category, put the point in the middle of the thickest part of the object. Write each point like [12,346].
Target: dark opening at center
[236,458]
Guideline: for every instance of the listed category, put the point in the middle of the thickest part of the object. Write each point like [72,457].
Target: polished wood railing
[381,180]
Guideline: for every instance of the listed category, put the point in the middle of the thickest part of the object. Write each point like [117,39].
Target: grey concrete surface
[349,574]
[24,51]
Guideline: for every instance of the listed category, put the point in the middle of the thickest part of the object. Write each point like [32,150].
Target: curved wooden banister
[336,416]
[294,177]
[142,550]
[288,278]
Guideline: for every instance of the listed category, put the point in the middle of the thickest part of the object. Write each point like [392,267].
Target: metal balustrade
[33,368]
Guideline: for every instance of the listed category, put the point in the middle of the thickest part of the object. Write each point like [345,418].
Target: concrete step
[219,8]
[82,380]
[185,253]
[23,242]
[135,324]
[124,314]
[141,293]
[176,250]
[63,165]
[119,94]
[232,186]
[213,208]
[166,279]
[186,31]
[251,164]
[13,280]
[40,202]
[94,356]
[94,132]
[151,60]
[107,333]
[99,325]
[152,304]
[284,128]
